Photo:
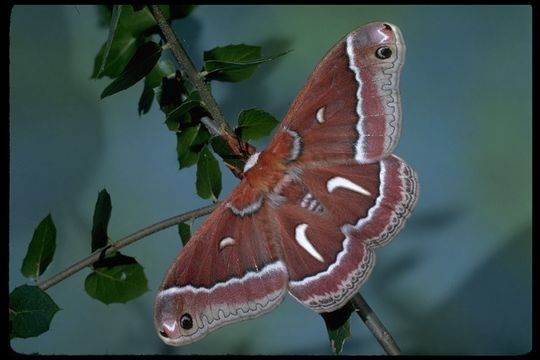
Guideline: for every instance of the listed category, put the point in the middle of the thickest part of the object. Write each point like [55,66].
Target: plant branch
[191,72]
[375,325]
[100,253]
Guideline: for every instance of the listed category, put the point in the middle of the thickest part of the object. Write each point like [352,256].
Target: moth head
[176,319]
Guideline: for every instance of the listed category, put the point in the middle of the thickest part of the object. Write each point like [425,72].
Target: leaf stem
[191,72]
[100,253]
[375,325]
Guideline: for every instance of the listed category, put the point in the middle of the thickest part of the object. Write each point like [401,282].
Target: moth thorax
[251,161]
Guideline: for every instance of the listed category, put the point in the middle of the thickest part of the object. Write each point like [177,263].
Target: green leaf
[114,31]
[126,31]
[254,124]
[163,69]
[142,22]
[121,51]
[40,250]
[338,337]
[152,82]
[175,116]
[190,142]
[186,156]
[30,311]
[338,327]
[184,230]
[102,215]
[138,67]
[145,101]
[173,124]
[104,15]
[231,63]
[117,279]
[234,63]
[208,175]
[98,63]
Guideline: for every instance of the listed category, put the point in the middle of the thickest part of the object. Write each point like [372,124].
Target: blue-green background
[456,281]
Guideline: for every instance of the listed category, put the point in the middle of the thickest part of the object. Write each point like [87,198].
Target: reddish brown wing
[231,270]
[344,193]
[349,108]
[331,219]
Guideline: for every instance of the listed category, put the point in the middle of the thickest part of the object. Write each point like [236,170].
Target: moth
[311,208]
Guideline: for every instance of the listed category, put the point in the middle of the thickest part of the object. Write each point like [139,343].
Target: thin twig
[98,254]
[191,72]
[375,325]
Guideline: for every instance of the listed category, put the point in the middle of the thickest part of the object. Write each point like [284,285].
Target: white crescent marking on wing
[297,143]
[338,181]
[320,115]
[302,240]
[228,241]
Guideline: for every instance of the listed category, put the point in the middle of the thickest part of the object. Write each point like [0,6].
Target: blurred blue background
[456,281]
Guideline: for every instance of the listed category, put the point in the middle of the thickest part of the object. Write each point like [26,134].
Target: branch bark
[216,125]
[100,253]
[191,72]
[377,328]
